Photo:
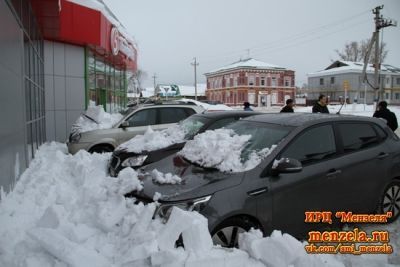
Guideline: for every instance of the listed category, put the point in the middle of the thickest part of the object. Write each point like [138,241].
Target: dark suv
[195,124]
[321,162]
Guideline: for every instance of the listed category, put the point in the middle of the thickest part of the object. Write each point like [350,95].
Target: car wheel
[227,233]
[101,149]
[390,201]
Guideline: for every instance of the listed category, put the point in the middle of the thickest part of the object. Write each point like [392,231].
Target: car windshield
[263,135]
[192,125]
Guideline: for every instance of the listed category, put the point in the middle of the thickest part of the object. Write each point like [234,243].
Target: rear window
[356,136]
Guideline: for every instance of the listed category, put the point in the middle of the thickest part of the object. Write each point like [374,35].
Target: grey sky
[301,35]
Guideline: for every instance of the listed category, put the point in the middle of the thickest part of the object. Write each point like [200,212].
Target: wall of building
[335,91]
[65,87]
[12,116]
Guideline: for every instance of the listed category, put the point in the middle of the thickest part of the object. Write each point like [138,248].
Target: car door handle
[382,155]
[258,191]
[333,172]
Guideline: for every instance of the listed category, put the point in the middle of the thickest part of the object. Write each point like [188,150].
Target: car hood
[196,181]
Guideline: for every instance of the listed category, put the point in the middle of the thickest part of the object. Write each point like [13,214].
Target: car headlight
[74,137]
[197,204]
[134,161]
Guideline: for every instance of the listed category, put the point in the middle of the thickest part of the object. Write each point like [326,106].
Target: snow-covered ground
[66,211]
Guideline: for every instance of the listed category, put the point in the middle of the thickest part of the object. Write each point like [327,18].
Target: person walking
[288,107]
[383,112]
[247,106]
[321,105]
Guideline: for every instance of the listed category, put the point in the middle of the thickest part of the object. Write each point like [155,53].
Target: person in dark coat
[289,106]
[383,112]
[247,106]
[321,105]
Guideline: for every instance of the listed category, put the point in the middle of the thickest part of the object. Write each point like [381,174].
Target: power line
[278,42]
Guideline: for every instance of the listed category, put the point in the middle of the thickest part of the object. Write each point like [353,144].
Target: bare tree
[356,51]
[364,47]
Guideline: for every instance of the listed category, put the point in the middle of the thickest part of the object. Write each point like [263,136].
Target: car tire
[227,233]
[101,149]
[390,200]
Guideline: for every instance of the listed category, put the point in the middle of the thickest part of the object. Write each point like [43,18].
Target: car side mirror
[286,165]
[125,124]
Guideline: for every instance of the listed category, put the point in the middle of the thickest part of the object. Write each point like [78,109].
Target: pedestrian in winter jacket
[289,106]
[321,105]
[247,106]
[383,112]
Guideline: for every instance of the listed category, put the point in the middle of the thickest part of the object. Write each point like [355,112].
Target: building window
[398,80]
[332,80]
[251,80]
[235,81]
[262,81]
[321,81]
[273,81]
[397,96]
[33,81]
[387,95]
[287,83]
[362,94]
[106,84]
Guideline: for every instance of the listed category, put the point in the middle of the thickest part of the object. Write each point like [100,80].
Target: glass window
[143,118]
[321,81]
[273,81]
[313,145]
[332,80]
[356,136]
[192,125]
[381,133]
[172,115]
[221,123]
[263,135]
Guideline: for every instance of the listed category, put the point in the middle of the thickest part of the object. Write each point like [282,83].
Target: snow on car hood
[153,140]
[95,118]
[222,149]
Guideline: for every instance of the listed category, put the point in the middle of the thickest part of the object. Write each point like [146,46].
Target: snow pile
[153,140]
[167,178]
[222,149]
[65,211]
[95,118]
[206,106]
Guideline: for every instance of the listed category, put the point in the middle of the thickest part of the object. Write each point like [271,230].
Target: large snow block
[71,253]
[197,237]
[178,222]
[144,221]
[173,258]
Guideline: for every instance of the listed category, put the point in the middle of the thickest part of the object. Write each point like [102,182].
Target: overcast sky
[300,35]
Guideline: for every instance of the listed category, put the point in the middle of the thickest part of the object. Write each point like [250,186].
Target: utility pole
[154,82]
[380,23]
[195,64]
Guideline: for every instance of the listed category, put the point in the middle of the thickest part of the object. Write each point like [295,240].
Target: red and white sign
[120,44]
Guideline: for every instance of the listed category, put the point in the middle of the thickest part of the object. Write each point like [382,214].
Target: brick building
[250,80]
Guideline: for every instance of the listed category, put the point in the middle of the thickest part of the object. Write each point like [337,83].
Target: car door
[364,165]
[311,189]
[138,124]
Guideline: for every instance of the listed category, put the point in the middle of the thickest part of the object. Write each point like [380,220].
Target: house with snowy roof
[343,80]
[252,81]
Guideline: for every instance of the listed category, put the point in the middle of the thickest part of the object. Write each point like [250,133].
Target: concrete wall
[12,101]
[64,69]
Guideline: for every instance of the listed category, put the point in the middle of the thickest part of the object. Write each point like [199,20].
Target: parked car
[198,123]
[135,121]
[322,162]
